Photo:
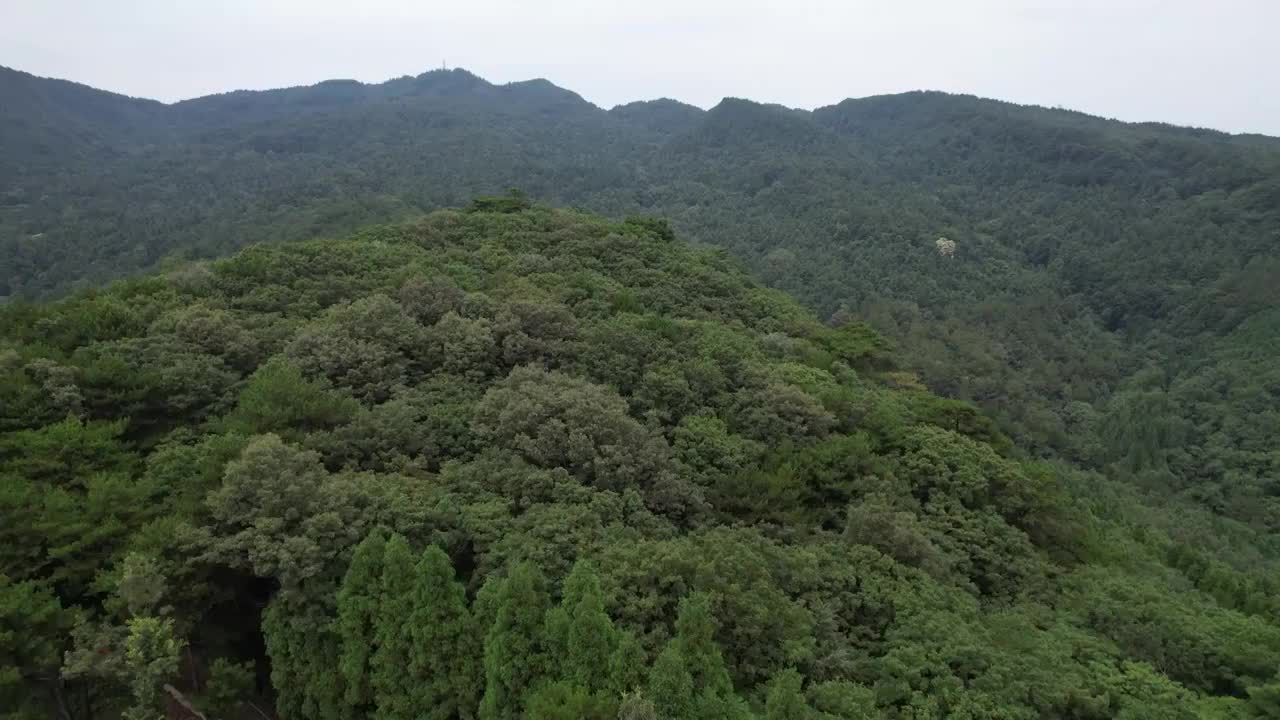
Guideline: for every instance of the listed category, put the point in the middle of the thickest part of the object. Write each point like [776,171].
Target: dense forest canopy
[518,462]
[1097,271]
[574,467]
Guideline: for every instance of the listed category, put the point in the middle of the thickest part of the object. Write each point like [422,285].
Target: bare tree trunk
[181,699]
[63,711]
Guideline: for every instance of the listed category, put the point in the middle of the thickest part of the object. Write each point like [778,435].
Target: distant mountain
[664,115]
[1097,265]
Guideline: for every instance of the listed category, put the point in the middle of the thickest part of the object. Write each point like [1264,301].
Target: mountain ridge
[414,79]
[1125,238]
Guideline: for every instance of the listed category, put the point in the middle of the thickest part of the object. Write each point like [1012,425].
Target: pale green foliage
[464,346]
[555,420]
[785,699]
[671,685]
[150,659]
[628,667]
[695,636]
[635,706]
[369,347]
[279,514]
[142,584]
[838,700]
[278,399]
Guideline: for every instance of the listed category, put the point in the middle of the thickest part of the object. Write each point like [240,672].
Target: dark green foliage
[446,658]
[33,628]
[359,617]
[391,675]
[229,687]
[619,480]
[1106,298]
[514,659]
[515,201]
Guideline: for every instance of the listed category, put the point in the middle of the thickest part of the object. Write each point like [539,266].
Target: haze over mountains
[1105,292]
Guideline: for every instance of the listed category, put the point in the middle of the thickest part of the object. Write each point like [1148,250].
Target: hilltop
[512,459]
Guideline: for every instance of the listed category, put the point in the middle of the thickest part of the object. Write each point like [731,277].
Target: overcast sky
[1212,63]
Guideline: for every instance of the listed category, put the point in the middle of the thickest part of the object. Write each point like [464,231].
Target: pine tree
[358,603]
[393,686]
[445,658]
[514,662]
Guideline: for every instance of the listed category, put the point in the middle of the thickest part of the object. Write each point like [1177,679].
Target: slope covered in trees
[1109,298]
[520,462]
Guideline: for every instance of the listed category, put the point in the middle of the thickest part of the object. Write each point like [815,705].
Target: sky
[1207,63]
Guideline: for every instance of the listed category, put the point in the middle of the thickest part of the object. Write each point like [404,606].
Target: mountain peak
[662,115]
[543,89]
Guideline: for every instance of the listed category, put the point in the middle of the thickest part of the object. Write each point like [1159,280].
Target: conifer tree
[445,658]
[671,685]
[695,636]
[628,667]
[514,661]
[393,686]
[591,635]
[304,649]
[358,605]
[785,700]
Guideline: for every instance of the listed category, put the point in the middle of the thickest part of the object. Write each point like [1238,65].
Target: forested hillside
[521,462]
[1107,293]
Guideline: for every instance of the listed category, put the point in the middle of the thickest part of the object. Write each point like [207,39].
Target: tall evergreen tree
[304,649]
[695,636]
[514,661]
[671,685]
[394,688]
[785,700]
[445,658]
[358,616]
[591,635]
[628,667]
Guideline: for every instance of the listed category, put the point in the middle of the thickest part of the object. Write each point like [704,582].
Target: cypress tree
[671,685]
[628,665]
[358,605]
[591,635]
[445,658]
[695,636]
[393,686]
[304,648]
[785,700]
[514,661]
